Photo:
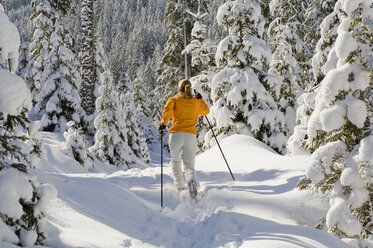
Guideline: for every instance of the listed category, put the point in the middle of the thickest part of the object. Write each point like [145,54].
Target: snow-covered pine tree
[104,13]
[201,51]
[289,53]
[117,51]
[23,200]
[324,35]
[142,87]
[142,92]
[42,19]
[172,66]
[340,127]
[140,43]
[152,96]
[111,144]
[242,104]
[59,100]
[128,115]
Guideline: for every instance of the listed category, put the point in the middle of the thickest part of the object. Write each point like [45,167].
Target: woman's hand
[162,129]
[197,95]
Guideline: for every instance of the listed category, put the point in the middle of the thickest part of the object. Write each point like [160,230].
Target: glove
[198,95]
[162,129]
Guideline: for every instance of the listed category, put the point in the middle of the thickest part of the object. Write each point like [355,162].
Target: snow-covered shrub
[340,127]
[76,144]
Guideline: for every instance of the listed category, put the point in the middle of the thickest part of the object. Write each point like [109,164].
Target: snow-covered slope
[105,207]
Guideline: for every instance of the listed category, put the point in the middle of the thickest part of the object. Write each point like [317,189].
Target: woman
[185,110]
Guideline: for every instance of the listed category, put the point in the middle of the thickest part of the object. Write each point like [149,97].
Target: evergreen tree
[42,19]
[340,127]
[172,67]
[142,99]
[142,87]
[290,54]
[59,99]
[152,96]
[320,38]
[105,22]
[117,51]
[23,198]
[201,51]
[128,114]
[102,69]
[242,103]
[111,140]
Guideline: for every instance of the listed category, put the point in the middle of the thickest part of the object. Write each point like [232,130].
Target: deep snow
[106,207]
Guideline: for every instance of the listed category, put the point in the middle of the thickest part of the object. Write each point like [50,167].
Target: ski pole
[226,162]
[162,168]
[220,148]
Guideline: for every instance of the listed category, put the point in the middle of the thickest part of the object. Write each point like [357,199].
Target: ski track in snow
[107,207]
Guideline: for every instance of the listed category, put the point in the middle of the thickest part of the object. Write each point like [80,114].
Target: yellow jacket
[184,113]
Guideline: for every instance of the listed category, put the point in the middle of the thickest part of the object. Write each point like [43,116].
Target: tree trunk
[88,66]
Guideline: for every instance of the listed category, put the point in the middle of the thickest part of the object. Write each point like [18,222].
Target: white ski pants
[183,147]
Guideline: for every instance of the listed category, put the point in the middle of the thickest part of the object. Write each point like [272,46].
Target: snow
[323,156]
[356,111]
[21,189]
[340,215]
[14,94]
[328,117]
[332,118]
[366,146]
[345,44]
[350,5]
[103,206]
[9,41]
[6,234]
